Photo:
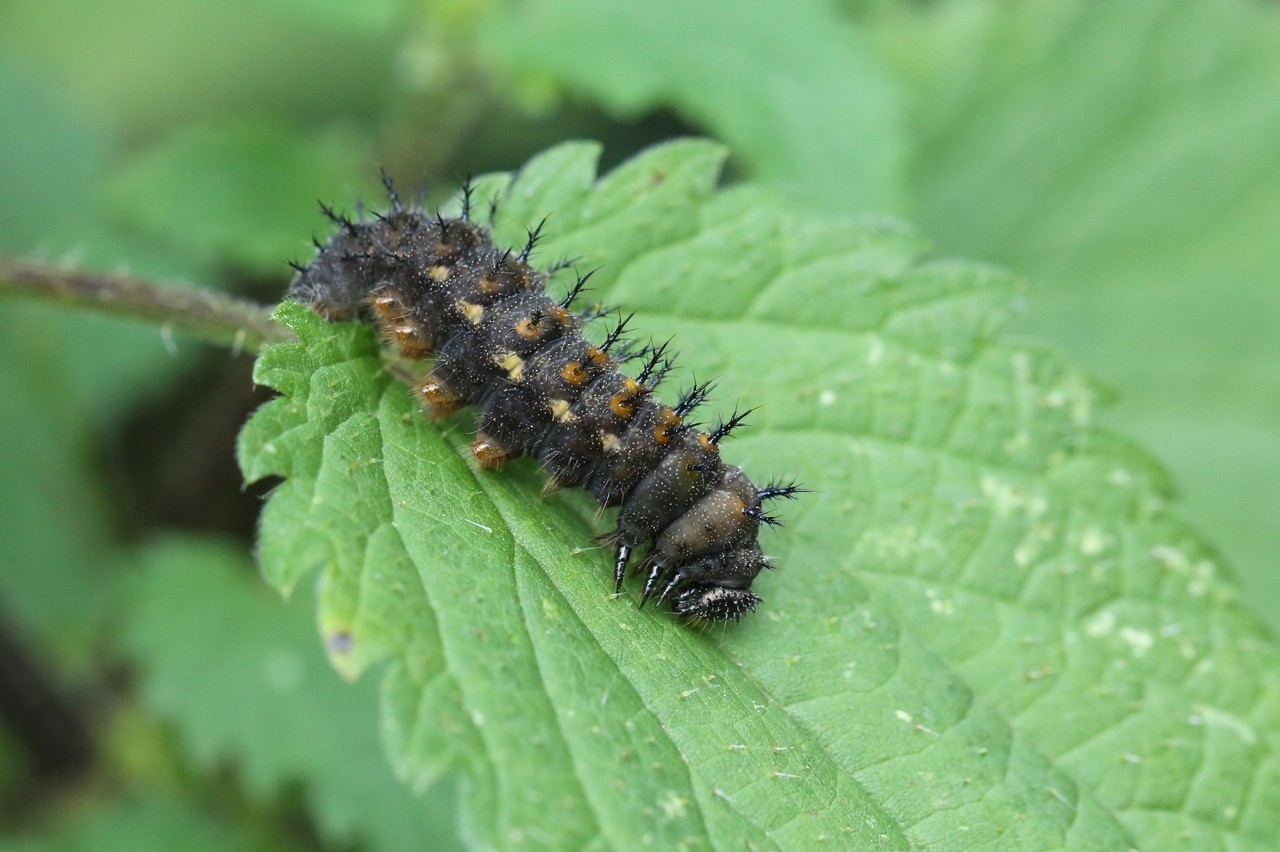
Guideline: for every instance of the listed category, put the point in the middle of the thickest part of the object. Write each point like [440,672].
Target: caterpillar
[439,287]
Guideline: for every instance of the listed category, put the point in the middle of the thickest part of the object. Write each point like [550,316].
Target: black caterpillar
[437,286]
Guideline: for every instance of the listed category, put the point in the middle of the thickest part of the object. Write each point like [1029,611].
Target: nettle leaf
[987,627]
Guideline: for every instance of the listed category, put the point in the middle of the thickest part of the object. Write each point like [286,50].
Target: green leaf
[243,193]
[1123,155]
[47,158]
[793,88]
[60,565]
[989,627]
[145,68]
[136,823]
[54,586]
[242,678]
[369,19]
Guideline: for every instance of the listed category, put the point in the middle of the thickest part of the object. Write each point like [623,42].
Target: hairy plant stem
[204,314]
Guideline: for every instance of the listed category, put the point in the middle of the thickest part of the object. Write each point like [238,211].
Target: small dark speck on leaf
[340,642]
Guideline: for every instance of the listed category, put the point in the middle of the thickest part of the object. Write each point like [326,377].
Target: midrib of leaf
[502,757]
[870,708]
[521,765]
[671,711]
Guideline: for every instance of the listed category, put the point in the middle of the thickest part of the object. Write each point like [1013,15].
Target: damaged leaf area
[987,625]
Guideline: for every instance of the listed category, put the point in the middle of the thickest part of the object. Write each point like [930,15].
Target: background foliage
[1122,156]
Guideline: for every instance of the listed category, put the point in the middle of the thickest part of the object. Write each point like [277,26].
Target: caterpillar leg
[488,452]
[706,602]
[620,566]
[438,398]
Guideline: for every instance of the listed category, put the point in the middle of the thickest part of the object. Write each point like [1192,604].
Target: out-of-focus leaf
[11,762]
[790,86]
[56,579]
[244,193]
[151,822]
[241,676]
[59,568]
[371,17]
[144,67]
[48,157]
[87,369]
[989,628]
[1124,156]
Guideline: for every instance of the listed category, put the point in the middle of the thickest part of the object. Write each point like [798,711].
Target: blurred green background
[1125,157]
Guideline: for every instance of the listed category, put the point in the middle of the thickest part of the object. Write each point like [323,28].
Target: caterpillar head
[709,602]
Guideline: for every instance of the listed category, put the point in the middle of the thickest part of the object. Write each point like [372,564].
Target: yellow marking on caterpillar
[512,363]
[474,313]
[560,410]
